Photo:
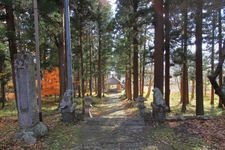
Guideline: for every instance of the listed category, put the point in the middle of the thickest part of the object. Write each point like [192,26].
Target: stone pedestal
[28,115]
[159,107]
[141,105]
[67,108]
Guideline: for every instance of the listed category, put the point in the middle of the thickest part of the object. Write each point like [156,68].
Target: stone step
[116,146]
[115,121]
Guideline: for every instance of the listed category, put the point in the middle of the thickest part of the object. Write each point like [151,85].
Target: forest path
[114,130]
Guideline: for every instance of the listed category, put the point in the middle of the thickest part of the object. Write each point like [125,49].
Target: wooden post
[66,105]
[68,46]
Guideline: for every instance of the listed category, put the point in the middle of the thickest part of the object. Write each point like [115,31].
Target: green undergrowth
[62,136]
[49,104]
[175,106]
[9,110]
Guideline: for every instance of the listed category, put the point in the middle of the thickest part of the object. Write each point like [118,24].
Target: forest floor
[115,125]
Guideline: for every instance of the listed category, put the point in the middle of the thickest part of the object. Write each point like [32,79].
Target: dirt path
[114,130]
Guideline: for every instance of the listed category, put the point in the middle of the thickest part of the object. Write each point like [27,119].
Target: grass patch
[175,105]
[62,136]
[168,136]
[9,110]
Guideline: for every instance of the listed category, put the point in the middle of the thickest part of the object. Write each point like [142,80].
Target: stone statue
[141,105]
[159,107]
[87,107]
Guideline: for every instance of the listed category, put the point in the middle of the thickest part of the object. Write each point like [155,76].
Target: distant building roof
[113,80]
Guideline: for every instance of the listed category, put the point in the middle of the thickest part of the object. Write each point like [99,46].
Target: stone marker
[159,107]
[141,105]
[67,107]
[28,115]
[87,106]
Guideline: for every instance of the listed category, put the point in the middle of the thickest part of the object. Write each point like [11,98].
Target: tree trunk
[199,80]
[185,65]
[96,85]
[3,98]
[159,44]
[220,53]
[90,62]
[184,87]
[128,84]
[11,39]
[192,89]
[135,54]
[81,57]
[167,55]
[99,59]
[212,56]
[181,89]
[2,94]
[103,85]
[212,77]
[126,81]
[78,83]
[205,88]
[140,79]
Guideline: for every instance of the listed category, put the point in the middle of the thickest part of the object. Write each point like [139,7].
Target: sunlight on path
[113,130]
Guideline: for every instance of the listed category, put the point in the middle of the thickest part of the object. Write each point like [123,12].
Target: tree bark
[78,83]
[81,57]
[213,57]
[99,58]
[96,85]
[199,80]
[143,71]
[2,82]
[11,39]
[90,67]
[215,74]
[185,65]
[220,53]
[192,89]
[128,84]
[103,85]
[159,44]
[140,79]
[167,55]
[135,54]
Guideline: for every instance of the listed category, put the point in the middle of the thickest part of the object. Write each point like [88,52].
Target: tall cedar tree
[99,24]
[128,79]
[90,63]
[61,51]
[213,55]
[11,37]
[220,51]
[167,55]
[159,44]
[199,80]
[185,63]
[135,51]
